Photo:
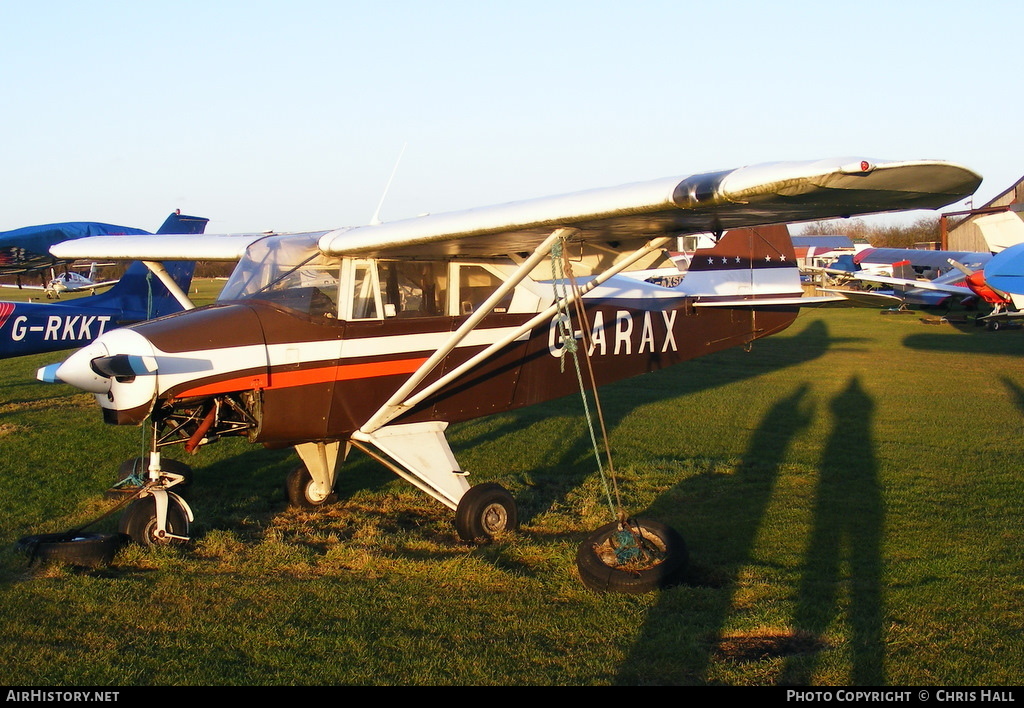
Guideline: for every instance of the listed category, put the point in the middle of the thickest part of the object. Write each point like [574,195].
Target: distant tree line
[924,230]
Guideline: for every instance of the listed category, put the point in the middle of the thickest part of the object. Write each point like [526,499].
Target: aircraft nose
[119,356]
[77,370]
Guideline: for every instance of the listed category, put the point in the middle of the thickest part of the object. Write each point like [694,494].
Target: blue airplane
[26,251]
[34,327]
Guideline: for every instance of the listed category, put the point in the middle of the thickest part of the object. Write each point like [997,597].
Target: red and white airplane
[378,337]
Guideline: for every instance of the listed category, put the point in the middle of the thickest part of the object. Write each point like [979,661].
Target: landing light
[857,168]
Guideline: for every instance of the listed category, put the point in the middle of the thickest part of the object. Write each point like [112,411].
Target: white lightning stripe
[174,370]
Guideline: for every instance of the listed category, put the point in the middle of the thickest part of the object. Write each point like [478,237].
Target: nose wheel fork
[158,516]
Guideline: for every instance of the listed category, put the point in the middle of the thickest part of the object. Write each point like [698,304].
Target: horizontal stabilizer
[773,301]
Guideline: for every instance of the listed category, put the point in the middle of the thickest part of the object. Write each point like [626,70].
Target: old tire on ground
[301,493]
[74,548]
[138,467]
[138,521]
[643,556]
[484,512]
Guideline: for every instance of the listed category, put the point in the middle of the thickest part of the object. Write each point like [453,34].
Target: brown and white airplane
[378,337]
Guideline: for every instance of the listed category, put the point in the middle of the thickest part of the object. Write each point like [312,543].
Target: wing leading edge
[715,201]
[616,218]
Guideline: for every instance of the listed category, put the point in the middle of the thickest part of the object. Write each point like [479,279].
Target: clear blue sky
[290,115]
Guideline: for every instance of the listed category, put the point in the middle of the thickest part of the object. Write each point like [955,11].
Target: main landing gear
[485,512]
[420,454]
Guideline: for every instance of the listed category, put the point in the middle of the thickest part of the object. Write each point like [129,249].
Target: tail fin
[745,263]
[1001,230]
[139,294]
[177,223]
[904,271]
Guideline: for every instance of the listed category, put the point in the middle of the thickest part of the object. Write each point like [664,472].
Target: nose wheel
[141,521]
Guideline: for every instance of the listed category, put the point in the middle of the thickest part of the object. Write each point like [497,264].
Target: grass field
[850,492]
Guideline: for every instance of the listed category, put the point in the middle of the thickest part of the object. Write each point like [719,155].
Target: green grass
[850,492]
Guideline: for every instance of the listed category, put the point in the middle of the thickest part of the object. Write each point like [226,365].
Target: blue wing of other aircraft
[27,250]
[32,328]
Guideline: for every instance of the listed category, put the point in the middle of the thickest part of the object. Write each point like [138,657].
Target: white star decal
[767,259]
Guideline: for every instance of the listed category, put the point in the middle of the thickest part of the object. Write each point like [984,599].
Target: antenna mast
[376,214]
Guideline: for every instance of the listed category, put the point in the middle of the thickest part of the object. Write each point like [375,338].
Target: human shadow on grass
[843,563]
[687,630]
[720,514]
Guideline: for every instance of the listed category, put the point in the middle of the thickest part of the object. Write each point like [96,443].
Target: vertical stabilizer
[745,263]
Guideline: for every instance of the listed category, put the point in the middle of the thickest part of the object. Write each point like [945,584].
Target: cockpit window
[414,288]
[290,271]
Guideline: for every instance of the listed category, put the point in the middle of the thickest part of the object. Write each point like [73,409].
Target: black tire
[139,466]
[298,486]
[81,549]
[484,512]
[644,556]
[138,521]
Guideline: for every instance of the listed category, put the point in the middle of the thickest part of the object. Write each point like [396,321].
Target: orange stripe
[306,377]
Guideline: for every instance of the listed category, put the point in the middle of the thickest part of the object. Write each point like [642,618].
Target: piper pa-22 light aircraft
[378,337]
[36,327]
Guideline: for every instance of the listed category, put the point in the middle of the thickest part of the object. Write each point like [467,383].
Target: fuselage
[311,352]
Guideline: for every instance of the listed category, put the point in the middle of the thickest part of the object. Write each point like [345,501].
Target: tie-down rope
[561,269]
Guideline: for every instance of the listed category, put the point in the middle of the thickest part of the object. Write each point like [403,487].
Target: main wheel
[484,512]
[139,522]
[303,493]
[83,549]
[635,557]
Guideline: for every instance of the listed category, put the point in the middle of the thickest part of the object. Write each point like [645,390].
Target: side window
[476,284]
[365,293]
[413,288]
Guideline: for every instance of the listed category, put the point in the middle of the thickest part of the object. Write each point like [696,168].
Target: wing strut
[399,403]
[157,269]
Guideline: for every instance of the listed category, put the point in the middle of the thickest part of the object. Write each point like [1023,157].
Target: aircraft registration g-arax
[378,337]
[35,327]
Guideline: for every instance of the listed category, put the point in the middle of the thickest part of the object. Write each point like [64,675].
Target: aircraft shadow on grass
[570,462]
[979,342]
[842,557]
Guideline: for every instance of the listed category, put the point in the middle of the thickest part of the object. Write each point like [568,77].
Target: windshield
[278,268]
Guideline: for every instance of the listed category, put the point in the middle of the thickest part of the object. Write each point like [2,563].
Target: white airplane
[72,282]
[378,337]
[68,282]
